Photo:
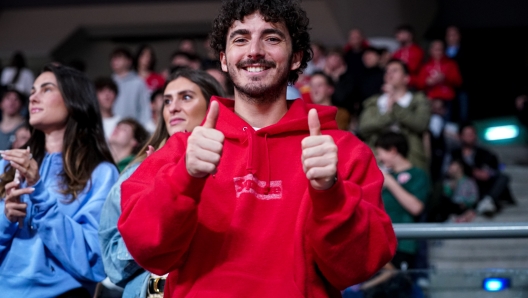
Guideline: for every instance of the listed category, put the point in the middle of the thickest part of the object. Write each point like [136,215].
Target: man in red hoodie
[409,52]
[267,198]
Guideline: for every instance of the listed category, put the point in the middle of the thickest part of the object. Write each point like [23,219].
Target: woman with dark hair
[186,98]
[17,75]
[12,103]
[145,66]
[53,192]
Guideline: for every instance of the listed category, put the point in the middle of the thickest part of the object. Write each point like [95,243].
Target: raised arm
[348,229]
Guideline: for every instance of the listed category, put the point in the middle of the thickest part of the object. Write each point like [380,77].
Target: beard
[257,91]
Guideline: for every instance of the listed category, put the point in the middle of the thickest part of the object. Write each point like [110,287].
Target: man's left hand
[319,155]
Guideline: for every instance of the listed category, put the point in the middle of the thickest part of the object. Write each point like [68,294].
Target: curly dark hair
[274,11]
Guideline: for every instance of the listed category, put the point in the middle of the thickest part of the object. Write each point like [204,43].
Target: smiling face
[184,106]
[258,58]
[47,111]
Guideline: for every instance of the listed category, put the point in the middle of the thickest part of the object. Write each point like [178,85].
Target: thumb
[313,123]
[212,115]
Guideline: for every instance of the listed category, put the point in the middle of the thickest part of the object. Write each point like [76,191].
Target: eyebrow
[186,91]
[266,31]
[44,85]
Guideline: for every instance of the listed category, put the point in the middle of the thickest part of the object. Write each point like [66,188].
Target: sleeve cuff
[329,201]
[6,226]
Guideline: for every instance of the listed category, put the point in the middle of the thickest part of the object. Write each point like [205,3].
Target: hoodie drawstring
[249,164]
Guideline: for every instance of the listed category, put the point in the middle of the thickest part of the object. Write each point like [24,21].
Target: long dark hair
[84,146]
[152,63]
[209,86]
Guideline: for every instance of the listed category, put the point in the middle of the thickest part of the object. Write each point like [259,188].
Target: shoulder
[420,97]
[105,170]
[371,101]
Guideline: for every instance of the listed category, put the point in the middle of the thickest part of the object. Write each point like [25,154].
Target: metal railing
[461,230]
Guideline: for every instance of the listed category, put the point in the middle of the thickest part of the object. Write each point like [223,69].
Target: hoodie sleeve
[159,208]
[119,265]
[348,229]
[73,241]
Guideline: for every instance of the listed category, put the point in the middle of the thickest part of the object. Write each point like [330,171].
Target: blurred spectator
[521,109]
[17,75]
[126,140]
[106,90]
[223,79]
[439,77]
[11,104]
[353,50]
[156,104]
[181,60]
[210,60]
[397,109]
[133,97]
[409,52]
[344,82]
[187,46]
[483,166]
[145,66]
[318,60]
[437,143]
[22,135]
[456,51]
[405,191]
[371,80]
[460,193]
[321,91]
[385,57]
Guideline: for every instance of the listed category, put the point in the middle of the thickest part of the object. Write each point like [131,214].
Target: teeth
[255,69]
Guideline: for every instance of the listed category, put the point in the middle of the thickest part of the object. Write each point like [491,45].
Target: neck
[259,114]
[143,72]
[401,164]
[122,73]
[55,140]
[399,92]
[9,121]
[120,152]
[327,101]
[107,113]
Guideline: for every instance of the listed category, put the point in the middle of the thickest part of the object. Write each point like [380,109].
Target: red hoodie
[257,228]
[446,89]
[412,56]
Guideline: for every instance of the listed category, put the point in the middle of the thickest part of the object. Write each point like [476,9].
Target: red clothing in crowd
[257,228]
[452,79]
[154,81]
[413,56]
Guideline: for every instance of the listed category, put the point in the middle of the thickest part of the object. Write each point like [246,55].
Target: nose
[256,50]
[33,98]
[175,106]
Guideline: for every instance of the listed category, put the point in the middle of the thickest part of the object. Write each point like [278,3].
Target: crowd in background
[410,106]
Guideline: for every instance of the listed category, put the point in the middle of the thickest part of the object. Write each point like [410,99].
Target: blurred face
[144,58]
[334,61]
[184,106]
[386,157]
[404,37]
[106,98]
[355,38]
[371,59]
[22,135]
[180,61]
[47,111]
[157,104]
[317,53]
[454,170]
[123,136]
[436,50]
[395,76]
[452,36]
[468,136]
[259,57]
[219,76]
[120,63]
[319,89]
[187,46]
[11,104]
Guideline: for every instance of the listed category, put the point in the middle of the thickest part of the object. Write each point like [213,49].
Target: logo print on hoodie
[251,185]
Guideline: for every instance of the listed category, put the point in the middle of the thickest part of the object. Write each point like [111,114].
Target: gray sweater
[133,98]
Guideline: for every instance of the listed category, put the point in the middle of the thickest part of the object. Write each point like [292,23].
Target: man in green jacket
[400,110]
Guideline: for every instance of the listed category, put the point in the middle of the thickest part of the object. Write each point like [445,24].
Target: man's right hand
[204,146]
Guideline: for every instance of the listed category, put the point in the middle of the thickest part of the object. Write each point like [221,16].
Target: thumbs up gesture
[319,155]
[204,146]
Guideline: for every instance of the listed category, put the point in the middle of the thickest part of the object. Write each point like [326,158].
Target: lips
[35,110]
[256,66]
[176,121]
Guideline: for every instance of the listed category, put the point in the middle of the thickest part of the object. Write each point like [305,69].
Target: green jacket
[413,122]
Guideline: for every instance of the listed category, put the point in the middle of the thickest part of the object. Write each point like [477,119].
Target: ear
[223,61]
[296,60]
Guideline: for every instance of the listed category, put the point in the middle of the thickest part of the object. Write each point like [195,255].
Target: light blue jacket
[57,248]
[119,264]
